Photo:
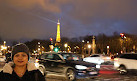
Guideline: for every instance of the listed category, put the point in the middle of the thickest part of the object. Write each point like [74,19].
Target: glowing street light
[89,47]
[3,47]
[83,41]
[66,45]
[107,50]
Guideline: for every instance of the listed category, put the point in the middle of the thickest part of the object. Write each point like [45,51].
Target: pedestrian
[20,69]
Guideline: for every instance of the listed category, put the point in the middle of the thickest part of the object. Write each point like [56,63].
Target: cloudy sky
[37,19]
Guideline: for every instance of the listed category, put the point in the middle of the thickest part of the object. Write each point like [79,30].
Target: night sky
[37,19]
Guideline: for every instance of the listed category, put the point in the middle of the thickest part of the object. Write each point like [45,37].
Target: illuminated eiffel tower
[58,39]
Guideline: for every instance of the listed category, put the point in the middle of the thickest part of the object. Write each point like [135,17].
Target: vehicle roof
[129,53]
[58,52]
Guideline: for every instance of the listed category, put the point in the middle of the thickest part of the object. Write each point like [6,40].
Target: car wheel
[42,70]
[70,75]
[122,70]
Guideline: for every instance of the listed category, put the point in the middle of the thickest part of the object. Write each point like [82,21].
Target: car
[2,58]
[126,63]
[97,58]
[67,65]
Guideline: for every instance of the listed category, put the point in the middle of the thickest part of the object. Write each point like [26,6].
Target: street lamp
[107,50]
[65,45]
[87,41]
[83,41]
[89,47]
[83,48]
[4,48]
[123,42]
[39,49]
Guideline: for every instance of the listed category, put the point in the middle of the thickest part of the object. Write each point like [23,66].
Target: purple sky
[36,19]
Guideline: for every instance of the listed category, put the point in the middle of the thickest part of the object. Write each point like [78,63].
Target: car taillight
[37,60]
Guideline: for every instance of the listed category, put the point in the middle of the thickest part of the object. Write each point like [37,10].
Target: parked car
[59,64]
[97,58]
[126,63]
[2,58]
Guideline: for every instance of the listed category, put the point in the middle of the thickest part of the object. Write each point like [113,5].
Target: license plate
[92,73]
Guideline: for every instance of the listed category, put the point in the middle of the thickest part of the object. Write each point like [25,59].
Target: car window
[49,56]
[128,56]
[42,57]
[133,56]
[56,57]
[94,56]
[65,56]
[74,57]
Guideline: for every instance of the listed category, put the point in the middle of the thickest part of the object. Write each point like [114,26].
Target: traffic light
[122,35]
[56,49]
[51,40]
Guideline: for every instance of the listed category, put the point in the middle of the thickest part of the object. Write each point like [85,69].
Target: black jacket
[31,74]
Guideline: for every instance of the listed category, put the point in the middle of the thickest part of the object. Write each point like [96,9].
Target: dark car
[58,64]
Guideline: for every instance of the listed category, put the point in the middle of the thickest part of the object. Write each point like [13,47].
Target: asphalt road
[107,73]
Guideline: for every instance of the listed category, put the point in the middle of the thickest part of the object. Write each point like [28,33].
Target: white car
[2,58]
[126,63]
[97,58]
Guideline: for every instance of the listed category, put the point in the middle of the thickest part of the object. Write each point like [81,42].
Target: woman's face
[20,59]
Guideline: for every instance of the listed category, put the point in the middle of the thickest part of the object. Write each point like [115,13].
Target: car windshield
[72,56]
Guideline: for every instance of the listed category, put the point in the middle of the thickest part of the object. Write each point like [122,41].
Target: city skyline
[37,19]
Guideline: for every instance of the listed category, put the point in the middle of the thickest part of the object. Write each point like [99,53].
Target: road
[107,73]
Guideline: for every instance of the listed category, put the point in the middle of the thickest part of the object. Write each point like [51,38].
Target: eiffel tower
[58,39]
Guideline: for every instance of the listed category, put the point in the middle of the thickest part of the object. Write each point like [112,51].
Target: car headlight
[97,66]
[80,67]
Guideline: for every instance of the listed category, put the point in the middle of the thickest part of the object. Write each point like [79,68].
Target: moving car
[97,58]
[126,63]
[66,65]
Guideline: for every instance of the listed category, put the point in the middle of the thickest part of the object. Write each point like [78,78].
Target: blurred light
[80,67]
[4,42]
[38,48]
[38,42]
[66,45]
[107,47]
[97,66]
[89,46]
[121,34]
[87,41]
[56,49]
[51,39]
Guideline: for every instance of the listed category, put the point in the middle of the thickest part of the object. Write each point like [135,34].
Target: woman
[20,69]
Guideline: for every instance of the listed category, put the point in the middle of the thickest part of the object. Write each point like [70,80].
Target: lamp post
[107,50]
[4,47]
[83,48]
[89,47]
[123,37]
[39,48]
[66,45]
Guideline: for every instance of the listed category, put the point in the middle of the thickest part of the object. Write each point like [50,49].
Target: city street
[107,73]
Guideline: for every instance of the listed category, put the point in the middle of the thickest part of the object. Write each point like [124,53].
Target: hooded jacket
[31,74]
